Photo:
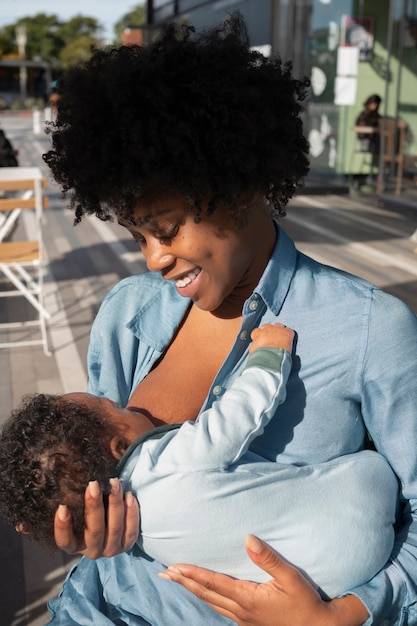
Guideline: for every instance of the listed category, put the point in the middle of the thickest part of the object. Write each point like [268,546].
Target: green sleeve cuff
[268,358]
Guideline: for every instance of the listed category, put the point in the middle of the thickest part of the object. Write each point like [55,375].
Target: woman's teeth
[187,279]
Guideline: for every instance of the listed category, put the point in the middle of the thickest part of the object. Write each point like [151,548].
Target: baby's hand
[272,336]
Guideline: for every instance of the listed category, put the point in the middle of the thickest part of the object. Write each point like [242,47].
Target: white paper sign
[347,61]
[345,90]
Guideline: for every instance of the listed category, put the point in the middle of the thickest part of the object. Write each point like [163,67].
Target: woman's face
[214,262]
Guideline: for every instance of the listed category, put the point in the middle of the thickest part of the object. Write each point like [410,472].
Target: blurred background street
[83,263]
[359,234]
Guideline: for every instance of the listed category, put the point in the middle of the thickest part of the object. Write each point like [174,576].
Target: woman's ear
[118,446]
[21,528]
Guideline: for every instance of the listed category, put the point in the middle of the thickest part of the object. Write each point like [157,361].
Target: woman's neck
[264,233]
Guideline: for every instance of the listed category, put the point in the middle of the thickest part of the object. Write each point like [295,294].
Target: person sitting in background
[369,117]
[198,486]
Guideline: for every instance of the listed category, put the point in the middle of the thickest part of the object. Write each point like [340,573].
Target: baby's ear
[118,446]
[21,528]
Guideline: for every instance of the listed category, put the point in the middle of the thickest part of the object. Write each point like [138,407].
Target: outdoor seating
[393,134]
[21,260]
[388,138]
[368,142]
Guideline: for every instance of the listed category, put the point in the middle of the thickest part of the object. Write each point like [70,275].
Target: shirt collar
[168,308]
[276,279]
[160,311]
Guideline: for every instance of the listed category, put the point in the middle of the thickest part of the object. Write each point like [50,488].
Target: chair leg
[22,288]
[44,336]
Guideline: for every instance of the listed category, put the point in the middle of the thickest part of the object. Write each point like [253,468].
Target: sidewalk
[355,233]
[84,263]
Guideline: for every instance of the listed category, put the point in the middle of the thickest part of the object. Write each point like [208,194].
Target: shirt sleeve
[389,408]
[222,433]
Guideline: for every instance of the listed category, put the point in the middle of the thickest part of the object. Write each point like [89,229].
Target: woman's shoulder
[147,285]
[137,293]
[340,288]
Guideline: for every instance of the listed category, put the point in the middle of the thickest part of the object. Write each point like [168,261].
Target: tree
[42,35]
[134,18]
[47,37]
[8,46]
[81,26]
[77,51]
[80,34]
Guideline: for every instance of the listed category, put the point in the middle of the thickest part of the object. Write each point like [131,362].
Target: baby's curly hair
[198,115]
[50,448]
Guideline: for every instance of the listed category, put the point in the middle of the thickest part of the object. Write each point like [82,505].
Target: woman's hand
[287,599]
[106,533]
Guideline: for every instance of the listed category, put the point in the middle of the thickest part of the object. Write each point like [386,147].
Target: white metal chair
[21,261]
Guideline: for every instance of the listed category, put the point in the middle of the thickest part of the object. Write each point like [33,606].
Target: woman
[196,147]
[370,118]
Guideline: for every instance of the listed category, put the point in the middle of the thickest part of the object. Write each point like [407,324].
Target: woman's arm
[389,401]
[288,598]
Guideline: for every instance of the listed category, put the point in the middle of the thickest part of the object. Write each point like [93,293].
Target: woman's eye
[139,239]
[168,235]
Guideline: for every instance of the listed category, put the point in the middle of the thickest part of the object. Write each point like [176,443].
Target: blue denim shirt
[354,370]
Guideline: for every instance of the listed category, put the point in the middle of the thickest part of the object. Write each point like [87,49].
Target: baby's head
[50,448]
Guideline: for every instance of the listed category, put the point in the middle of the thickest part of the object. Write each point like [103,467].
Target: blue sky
[107,12]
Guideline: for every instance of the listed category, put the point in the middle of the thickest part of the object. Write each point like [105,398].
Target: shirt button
[243,335]
[253,305]
[217,390]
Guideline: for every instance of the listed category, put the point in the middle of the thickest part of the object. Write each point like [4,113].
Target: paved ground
[377,243]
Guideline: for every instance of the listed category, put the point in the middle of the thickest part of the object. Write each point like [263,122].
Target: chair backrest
[20,189]
[393,131]
[22,257]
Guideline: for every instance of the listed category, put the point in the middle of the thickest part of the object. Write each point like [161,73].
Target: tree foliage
[135,17]
[47,37]
[63,42]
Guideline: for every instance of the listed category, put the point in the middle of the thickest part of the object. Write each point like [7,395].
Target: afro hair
[199,115]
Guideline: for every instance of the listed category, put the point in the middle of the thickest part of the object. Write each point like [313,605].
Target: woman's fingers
[106,533]
[132,521]
[265,557]
[223,593]
[116,533]
[64,536]
[95,521]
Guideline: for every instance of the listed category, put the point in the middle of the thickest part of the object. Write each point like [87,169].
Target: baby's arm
[224,432]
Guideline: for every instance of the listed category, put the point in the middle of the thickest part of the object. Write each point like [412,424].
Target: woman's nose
[157,255]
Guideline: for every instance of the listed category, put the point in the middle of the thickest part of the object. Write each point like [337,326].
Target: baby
[200,489]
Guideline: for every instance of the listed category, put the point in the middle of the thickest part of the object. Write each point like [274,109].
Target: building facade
[350,49]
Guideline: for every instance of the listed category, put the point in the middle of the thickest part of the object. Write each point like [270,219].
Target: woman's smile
[214,262]
[187,283]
